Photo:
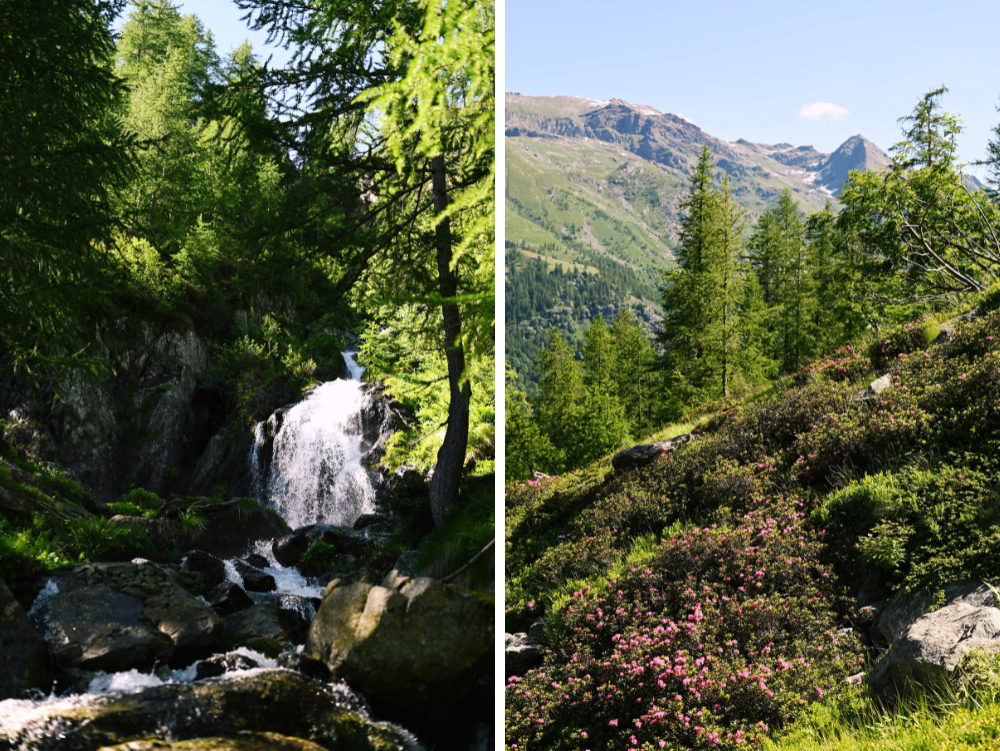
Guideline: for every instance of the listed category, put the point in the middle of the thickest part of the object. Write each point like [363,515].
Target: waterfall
[315,473]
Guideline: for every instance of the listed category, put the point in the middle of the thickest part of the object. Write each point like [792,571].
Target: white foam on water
[316,470]
[288,580]
[353,369]
[128,682]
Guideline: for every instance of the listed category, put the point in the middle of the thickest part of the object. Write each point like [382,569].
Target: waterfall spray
[315,473]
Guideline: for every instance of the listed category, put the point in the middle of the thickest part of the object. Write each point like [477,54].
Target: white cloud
[823,112]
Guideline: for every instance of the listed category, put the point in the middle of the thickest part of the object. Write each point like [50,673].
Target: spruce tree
[633,363]
[559,387]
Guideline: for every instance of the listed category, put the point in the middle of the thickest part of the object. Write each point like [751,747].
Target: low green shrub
[903,340]
[96,539]
[321,557]
[143,499]
[130,509]
[844,364]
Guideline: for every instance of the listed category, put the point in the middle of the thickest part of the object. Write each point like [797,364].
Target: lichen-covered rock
[643,454]
[242,742]
[417,645]
[118,616]
[927,654]
[260,701]
[24,654]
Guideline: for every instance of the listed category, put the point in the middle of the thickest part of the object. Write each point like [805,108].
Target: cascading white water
[316,475]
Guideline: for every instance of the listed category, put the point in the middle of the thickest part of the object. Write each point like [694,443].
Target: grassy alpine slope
[695,602]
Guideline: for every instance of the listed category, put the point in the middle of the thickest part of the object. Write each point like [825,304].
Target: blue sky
[223,18]
[751,69]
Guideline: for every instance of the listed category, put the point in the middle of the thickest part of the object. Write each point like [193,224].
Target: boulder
[24,654]
[295,614]
[644,453]
[257,560]
[520,652]
[258,627]
[192,582]
[206,563]
[415,645]
[289,549]
[258,701]
[406,564]
[237,525]
[227,598]
[118,616]
[226,663]
[928,652]
[879,385]
[254,580]
[240,742]
[904,609]
[301,664]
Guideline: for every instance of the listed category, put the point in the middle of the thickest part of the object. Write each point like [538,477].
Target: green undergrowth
[743,549]
[469,530]
[966,719]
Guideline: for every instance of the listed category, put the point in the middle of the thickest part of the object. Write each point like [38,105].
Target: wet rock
[118,616]
[416,645]
[340,564]
[289,549]
[227,598]
[638,456]
[302,664]
[240,742]
[236,525]
[206,563]
[72,681]
[220,664]
[295,614]
[254,580]
[262,701]
[374,524]
[257,561]
[928,652]
[24,654]
[520,652]
[192,582]
[258,627]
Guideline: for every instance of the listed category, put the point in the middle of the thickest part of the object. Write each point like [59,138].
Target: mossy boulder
[118,616]
[413,644]
[259,701]
[242,742]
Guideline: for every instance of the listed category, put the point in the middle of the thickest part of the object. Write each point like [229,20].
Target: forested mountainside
[594,185]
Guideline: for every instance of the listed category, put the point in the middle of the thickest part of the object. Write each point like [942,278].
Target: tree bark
[451,456]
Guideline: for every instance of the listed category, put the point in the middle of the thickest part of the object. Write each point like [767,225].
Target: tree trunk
[451,455]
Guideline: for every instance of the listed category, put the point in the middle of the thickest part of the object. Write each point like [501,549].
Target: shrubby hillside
[711,597]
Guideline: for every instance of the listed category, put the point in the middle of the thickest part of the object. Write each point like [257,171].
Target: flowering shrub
[910,337]
[726,635]
[845,364]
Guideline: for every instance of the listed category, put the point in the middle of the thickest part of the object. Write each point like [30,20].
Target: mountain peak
[856,153]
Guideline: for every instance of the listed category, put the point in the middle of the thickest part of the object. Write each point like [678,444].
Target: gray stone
[213,568]
[118,616]
[520,652]
[254,580]
[642,454]
[228,597]
[406,563]
[879,385]
[288,550]
[928,652]
[209,460]
[24,654]
[254,627]
[225,663]
[417,645]
[537,630]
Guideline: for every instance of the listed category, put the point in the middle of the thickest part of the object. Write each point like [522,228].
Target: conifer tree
[633,375]
[559,388]
[683,334]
